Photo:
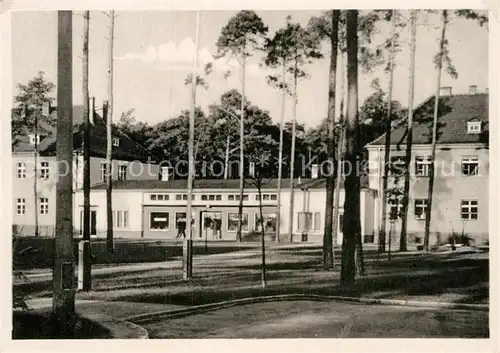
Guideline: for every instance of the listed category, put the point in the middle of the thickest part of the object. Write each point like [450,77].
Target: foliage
[28,106]
[241,34]
[292,46]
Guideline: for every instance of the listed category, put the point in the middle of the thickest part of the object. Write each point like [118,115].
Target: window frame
[21,170]
[471,204]
[20,206]
[122,172]
[243,216]
[424,206]
[44,170]
[468,161]
[162,229]
[44,205]
[268,214]
[425,162]
[103,170]
[116,142]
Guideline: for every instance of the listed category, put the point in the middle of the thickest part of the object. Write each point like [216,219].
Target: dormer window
[116,141]
[32,139]
[473,127]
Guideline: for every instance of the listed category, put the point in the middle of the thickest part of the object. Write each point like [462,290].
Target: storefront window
[269,222]
[232,222]
[159,220]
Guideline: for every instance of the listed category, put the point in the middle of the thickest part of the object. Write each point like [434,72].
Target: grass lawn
[457,278]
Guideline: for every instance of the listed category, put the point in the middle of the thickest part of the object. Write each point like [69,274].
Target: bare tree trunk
[340,154]
[87,280]
[188,243]
[63,302]
[263,241]
[242,156]
[351,225]
[409,135]
[226,159]
[280,153]
[109,149]
[330,179]
[428,212]
[387,151]
[292,155]
[35,176]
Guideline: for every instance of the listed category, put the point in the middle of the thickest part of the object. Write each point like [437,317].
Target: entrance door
[212,225]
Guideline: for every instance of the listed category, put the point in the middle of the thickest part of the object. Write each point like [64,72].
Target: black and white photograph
[204,173]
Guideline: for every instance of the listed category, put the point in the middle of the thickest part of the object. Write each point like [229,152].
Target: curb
[179,313]
[118,329]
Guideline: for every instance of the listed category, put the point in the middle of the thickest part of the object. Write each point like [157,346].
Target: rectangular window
[159,221]
[231,197]
[422,165]
[103,171]
[21,170]
[44,170]
[120,219]
[469,210]
[317,221]
[304,221]
[184,197]
[44,205]
[395,208]
[420,208]
[93,222]
[269,222]
[21,206]
[122,172]
[232,222]
[470,166]
[116,141]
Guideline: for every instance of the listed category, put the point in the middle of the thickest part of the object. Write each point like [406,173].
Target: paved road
[308,319]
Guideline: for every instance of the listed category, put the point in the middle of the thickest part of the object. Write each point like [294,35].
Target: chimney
[165,173]
[105,110]
[445,91]
[315,171]
[473,89]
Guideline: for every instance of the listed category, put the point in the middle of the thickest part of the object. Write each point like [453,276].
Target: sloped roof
[456,111]
[127,149]
[180,184]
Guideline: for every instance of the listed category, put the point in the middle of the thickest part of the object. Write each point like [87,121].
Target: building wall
[24,187]
[450,188]
[139,205]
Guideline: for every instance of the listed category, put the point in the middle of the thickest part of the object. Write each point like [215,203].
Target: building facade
[460,202]
[157,210]
[34,188]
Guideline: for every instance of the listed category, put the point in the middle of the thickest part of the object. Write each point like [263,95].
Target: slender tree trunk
[330,179]
[340,154]
[387,150]
[87,280]
[409,136]
[428,212]
[280,153]
[63,300]
[292,155]
[351,225]
[35,176]
[242,156]
[226,158]
[109,150]
[263,241]
[188,243]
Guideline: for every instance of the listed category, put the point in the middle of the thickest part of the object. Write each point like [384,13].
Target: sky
[154,52]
